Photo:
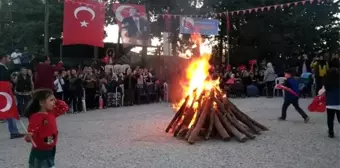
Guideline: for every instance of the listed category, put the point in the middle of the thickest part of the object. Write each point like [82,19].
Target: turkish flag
[106,59]
[318,104]
[8,108]
[83,22]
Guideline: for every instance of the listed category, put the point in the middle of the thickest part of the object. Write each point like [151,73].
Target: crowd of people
[260,81]
[106,85]
[89,87]
[94,86]
[308,78]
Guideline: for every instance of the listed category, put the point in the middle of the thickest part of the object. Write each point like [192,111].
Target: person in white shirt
[16,58]
[58,83]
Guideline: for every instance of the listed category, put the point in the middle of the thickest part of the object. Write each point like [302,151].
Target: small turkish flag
[84,23]
[106,59]
[8,108]
[188,25]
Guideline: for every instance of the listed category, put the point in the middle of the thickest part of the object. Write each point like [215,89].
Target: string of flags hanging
[235,12]
[249,10]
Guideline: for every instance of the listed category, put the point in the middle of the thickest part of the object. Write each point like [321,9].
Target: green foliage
[289,33]
[309,28]
[24,24]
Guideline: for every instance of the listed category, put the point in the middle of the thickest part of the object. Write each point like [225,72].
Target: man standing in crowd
[44,75]
[5,76]
[25,58]
[304,65]
[16,58]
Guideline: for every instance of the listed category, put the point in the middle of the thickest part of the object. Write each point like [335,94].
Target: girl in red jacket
[42,129]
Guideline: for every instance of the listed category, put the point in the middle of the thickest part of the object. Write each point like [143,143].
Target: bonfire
[205,111]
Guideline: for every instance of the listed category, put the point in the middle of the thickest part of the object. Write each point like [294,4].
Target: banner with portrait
[133,24]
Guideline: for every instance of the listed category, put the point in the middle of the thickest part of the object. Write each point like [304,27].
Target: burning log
[211,123]
[177,115]
[206,112]
[200,122]
[213,112]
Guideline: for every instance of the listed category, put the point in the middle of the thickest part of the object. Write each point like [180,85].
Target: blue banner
[189,25]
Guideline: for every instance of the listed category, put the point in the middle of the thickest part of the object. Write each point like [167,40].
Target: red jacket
[44,76]
[43,126]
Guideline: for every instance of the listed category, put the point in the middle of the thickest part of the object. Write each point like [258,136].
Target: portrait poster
[133,24]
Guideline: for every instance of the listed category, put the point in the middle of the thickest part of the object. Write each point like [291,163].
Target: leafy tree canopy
[274,34]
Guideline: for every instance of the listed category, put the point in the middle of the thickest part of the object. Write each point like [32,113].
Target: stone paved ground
[132,137]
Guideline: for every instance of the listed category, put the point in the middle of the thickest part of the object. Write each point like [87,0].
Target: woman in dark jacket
[332,87]
[129,87]
[75,91]
[23,90]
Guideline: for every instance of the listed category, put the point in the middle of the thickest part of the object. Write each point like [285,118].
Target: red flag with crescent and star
[83,22]
[8,108]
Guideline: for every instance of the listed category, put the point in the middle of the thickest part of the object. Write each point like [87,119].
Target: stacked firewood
[214,116]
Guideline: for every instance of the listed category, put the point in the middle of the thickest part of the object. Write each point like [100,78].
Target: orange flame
[197,79]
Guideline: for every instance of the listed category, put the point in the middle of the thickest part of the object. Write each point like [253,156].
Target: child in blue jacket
[291,88]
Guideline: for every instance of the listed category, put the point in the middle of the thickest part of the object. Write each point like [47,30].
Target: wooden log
[230,128]
[219,127]
[201,103]
[211,123]
[228,104]
[188,115]
[182,132]
[233,121]
[241,118]
[243,121]
[200,122]
[237,110]
[246,122]
[178,114]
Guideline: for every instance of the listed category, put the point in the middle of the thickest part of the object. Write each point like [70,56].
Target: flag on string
[83,23]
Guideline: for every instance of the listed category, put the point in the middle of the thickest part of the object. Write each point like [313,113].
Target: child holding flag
[42,129]
[291,95]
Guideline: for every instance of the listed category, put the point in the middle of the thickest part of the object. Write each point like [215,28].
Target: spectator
[320,67]
[335,61]
[44,74]
[23,90]
[332,87]
[5,76]
[75,91]
[304,65]
[16,58]
[58,86]
[90,88]
[129,87]
[30,74]
[66,75]
[25,58]
[269,79]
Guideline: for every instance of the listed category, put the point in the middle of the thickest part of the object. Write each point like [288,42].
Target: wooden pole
[24,127]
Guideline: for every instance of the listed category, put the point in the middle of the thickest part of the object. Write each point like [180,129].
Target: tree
[280,35]
[287,33]
[23,24]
